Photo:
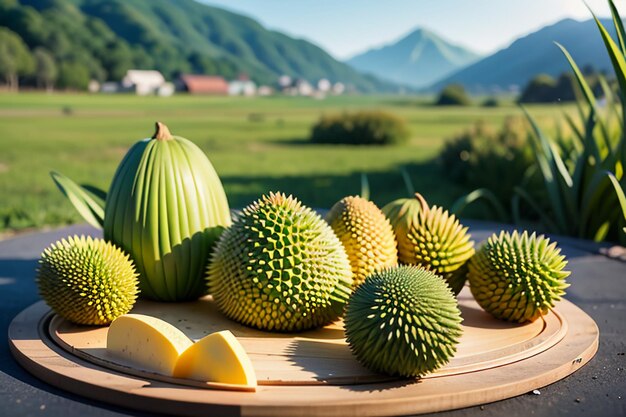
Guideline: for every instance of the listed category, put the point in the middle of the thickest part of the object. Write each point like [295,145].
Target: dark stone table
[598,287]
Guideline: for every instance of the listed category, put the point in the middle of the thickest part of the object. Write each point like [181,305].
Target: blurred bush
[453,95]
[577,186]
[483,157]
[545,89]
[539,90]
[361,128]
[490,102]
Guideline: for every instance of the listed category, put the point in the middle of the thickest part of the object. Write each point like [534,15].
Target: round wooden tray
[309,373]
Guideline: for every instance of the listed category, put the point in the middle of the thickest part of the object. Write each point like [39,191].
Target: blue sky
[346,27]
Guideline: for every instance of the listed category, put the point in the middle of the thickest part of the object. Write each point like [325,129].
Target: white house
[324,86]
[304,88]
[265,90]
[339,88]
[284,81]
[143,82]
[242,87]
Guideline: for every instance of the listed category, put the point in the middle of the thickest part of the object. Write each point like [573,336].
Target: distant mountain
[110,36]
[535,54]
[418,59]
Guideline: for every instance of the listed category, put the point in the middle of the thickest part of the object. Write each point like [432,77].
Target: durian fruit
[517,277]
[432,238]
[87,281]
[403,321]
[366,235]
[166,207]
[403,212]
[280,267]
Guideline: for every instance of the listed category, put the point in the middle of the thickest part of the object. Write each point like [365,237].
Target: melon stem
[162,132]
[423,203]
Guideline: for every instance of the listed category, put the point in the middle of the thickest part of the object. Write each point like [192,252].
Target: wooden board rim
[325,358]
[52,364]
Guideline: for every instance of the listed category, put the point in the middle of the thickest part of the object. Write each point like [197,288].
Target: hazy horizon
[344,28]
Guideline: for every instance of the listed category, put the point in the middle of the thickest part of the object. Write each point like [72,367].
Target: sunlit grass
[256,145]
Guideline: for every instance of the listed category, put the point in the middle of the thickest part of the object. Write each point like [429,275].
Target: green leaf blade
[89,207]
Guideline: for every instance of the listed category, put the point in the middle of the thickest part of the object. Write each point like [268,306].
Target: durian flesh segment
[366,234]
[403,321]
[147,342]
[518,277]
[218,357]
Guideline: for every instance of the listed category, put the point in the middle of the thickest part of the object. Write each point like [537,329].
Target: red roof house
[204,84]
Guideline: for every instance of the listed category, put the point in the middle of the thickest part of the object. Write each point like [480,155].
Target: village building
[265,90]
[324,86]
[203,84]
[303,87]
[339,88]
[242,88]
[143,82]
[284,81]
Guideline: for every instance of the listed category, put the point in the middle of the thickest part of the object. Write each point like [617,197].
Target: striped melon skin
[166,207]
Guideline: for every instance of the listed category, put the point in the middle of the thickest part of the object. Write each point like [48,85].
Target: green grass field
[256,145]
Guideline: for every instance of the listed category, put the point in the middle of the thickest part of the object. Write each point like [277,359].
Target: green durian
[87,281]
[403,321]
[280,267]
[517,277]
[432,238]
[366,235]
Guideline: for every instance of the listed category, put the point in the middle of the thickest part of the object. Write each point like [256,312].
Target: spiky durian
[87,281]
[517,277]
[280,267]
[432,238]
[403,321]
[366,235]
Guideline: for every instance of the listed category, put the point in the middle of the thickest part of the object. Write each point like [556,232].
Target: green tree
[59,43]
[545,89]
[46,70]
[29,24]
[73,75]
[539,90]
[15,58]
[141,58]
[202,63]
[453,95]
[117,59]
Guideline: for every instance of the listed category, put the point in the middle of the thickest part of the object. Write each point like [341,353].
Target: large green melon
[166,207]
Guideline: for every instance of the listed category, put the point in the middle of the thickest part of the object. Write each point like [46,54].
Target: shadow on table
[335,364]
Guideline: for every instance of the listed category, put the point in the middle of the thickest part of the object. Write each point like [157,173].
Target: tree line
[61,47]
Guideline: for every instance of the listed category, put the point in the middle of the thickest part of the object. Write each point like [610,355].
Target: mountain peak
[535,53]
[419,58]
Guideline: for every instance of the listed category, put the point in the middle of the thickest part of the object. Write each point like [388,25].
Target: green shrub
[539,90]
[361,128]
[453,95]
[545,89]
[581,190]
[491,102]
[482,157]
[584,190]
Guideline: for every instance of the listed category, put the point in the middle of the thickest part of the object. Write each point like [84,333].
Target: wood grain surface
[320,356]
[310,373]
